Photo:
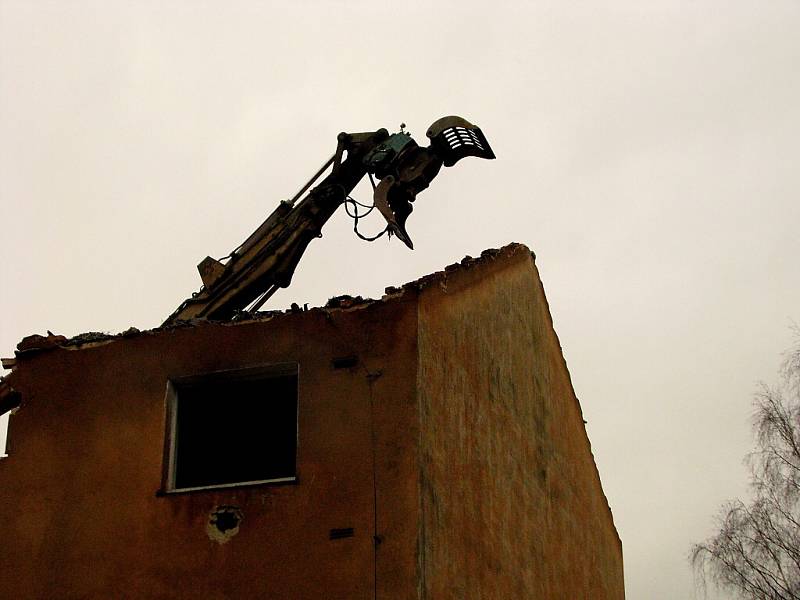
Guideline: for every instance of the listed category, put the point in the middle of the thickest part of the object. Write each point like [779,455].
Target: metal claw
[394,210]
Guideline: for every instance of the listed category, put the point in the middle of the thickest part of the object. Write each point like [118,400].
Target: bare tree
[756,553]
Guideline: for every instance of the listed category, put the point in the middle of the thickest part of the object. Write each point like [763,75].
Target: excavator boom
[268,258]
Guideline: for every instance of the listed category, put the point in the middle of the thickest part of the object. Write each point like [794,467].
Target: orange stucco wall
[511,500]
[454,448]
[79,513]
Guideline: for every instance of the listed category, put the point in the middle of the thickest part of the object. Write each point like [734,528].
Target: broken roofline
[35,343]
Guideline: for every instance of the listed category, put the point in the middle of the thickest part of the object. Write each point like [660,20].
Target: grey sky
[646,152]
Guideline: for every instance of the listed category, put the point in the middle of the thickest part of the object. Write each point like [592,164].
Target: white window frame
[265,371]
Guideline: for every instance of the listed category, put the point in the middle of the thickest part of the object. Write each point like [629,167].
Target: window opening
[232,428]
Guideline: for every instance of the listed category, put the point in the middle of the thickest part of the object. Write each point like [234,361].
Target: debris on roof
[40,342]
[37,343]
[347,301]
[465,263]
[92,336]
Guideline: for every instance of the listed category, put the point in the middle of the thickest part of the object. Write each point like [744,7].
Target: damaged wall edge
[9,398]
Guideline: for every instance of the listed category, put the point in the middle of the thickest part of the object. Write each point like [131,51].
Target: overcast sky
[646,151]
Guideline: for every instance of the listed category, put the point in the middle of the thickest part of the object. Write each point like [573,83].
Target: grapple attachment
[453,138]
[406,169]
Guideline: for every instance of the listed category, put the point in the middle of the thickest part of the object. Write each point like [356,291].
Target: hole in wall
[344,362]
[223,523]
[344,532]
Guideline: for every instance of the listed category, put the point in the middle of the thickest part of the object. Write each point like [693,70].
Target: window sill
[229,486]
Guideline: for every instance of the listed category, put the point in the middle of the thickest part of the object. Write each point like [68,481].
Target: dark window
[233,427]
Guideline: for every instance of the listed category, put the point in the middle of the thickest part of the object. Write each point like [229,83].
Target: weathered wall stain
[512,506]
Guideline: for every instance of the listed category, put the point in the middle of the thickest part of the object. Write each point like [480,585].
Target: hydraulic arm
[267,259]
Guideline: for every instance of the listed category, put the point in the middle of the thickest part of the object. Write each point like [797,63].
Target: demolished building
[425,445]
